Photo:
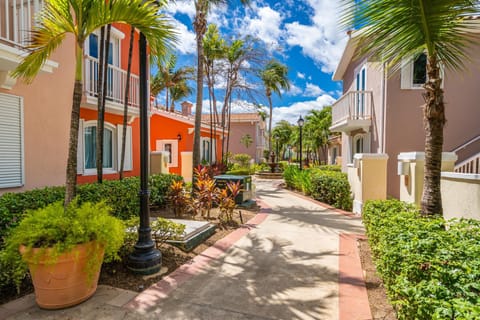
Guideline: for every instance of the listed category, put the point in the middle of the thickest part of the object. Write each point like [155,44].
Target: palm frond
[394,29]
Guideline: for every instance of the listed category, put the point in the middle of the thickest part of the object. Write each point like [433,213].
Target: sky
[304,35]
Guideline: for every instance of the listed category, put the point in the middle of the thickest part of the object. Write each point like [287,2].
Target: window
[93,50]
[414,72]
[420,70]
[90,138]
[205,150]
[361,85]
[171,146]
[11,141]
[112,148]
[360,144]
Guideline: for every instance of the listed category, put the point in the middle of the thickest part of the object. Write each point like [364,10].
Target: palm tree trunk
[125,103]
[100,106]
[71,174]
[200,26]
[434,118]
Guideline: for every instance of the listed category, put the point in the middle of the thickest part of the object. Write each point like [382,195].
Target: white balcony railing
[17,19]
[354,105]
[470,165]
[116,80]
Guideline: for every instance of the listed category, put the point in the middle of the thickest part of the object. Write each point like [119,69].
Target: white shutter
[80,148]
[128,164]
[406,73]
[11,141]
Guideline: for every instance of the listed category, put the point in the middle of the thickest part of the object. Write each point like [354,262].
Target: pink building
[244,126]
[382,113]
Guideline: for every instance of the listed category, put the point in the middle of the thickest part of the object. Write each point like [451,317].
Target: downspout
[384,106]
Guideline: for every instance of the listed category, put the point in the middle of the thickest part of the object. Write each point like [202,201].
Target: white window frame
[366,144]
[116,148]
[160,146]
[108,126]
[214,151]
[115,38]
[406,75]
[10,101]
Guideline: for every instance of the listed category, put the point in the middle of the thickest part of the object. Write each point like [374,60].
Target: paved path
[299,263]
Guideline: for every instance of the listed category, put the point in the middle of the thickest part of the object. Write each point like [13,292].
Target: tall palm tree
[398,29]
[80,18]
[317,124]
[168,76]
[202,7]
[274,78]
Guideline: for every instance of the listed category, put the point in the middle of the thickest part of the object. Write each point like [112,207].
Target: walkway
[299,263]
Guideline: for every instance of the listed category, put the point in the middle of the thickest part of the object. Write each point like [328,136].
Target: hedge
[122,196]
[332,187]
[430,267]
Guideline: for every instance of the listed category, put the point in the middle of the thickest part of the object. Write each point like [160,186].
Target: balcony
[352,111]
[116,80]
[16,21]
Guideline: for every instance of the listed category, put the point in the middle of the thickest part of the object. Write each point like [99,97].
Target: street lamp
[276,147]
[300,123]
[145,259]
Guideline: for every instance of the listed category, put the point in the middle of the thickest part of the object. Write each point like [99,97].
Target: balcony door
[113,63]
[361,85]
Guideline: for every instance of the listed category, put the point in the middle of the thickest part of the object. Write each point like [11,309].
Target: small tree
[246,140]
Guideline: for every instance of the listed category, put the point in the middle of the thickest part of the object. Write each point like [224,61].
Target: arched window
[90,145]
[359,144]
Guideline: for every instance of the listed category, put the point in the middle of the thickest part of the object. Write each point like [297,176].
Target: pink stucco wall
[47,106]
[237,131]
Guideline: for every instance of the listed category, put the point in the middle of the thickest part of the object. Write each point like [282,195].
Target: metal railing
[17,19]
[354,105]
[471,165]
[116,80]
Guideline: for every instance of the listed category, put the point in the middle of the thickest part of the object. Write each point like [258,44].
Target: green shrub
[14,205]
[159,186]
[332,188]
[121,196]
[430,267]
[330,167]
[60,229]
[242,159]
[239,172]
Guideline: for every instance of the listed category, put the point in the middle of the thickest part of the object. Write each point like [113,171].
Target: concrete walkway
[297,260]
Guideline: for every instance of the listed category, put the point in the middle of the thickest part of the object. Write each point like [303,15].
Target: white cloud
[186,39]
[325,41]
[312,90]
[186,7]
[294,90]
[300,75]
[292,112]
[265,26]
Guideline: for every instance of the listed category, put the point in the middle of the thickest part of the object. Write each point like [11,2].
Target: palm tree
[179,91]
[80,18]
[246,140]
[317,124]
[167,77]
[397,29]
[274,78]
[202,7]
[283,130]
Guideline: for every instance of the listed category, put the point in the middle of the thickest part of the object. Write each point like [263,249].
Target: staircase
[471,156]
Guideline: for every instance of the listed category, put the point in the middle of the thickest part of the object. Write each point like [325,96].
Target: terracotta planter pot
[66,280]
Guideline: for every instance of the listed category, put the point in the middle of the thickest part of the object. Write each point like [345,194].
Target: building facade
[381,112]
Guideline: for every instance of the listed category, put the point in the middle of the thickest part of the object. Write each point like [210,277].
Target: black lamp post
[276,147]
[145,259]
[300,123]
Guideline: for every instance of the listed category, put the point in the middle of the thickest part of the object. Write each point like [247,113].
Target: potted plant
[64,250]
